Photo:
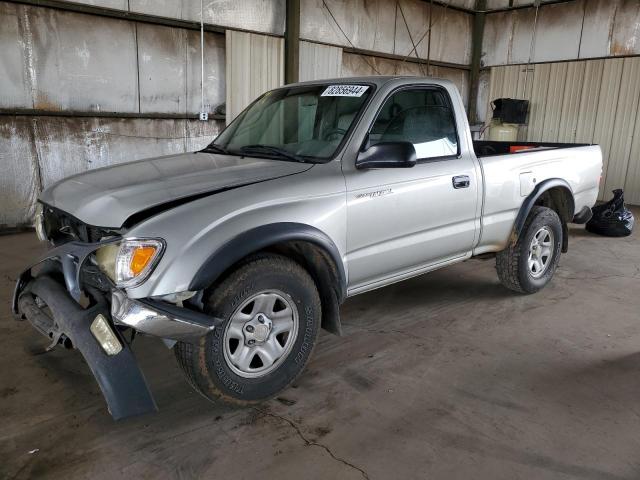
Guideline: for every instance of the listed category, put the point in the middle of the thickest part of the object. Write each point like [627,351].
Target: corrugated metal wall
[591,101]
[319,61]
[255,64]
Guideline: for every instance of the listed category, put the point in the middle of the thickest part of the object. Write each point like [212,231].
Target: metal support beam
[292,42]
[31,112]
[390,56]
[476,53]
[523,7]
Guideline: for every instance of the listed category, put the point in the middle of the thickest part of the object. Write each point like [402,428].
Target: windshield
[305,123]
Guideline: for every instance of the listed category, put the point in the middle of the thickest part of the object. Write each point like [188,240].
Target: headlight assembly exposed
[39,223]
[129,262]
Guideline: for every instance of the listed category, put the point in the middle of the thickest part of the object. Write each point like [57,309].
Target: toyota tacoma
[236,255]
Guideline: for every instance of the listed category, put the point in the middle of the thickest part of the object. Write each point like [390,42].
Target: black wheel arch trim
[260,238]
[273,234]
[531,200]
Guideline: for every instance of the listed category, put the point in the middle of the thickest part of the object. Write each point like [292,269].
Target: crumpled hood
[106,197]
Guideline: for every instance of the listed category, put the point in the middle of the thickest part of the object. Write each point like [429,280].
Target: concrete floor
[447,376]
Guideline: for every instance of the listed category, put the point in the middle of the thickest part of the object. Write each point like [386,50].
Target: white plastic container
[503,132]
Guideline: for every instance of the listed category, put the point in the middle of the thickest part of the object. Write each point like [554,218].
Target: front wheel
[529,265]
[272,314]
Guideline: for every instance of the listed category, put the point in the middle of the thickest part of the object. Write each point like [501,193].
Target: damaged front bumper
[160,319]
[53,296]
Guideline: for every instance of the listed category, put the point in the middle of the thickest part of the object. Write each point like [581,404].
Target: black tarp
[612,218]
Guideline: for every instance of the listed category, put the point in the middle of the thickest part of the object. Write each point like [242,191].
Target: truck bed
[511,170]
[486,148]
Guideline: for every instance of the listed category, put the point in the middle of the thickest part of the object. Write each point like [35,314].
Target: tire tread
[187,355]
[508,260]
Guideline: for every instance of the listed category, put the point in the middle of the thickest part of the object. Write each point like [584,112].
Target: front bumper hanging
[119,377]
[56,285]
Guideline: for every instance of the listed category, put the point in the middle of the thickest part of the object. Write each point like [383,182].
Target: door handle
[461,181]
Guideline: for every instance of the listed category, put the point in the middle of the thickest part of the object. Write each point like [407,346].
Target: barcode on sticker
[344,90]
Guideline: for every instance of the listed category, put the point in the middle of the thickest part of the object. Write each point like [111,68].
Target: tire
[219,367]
[520,272]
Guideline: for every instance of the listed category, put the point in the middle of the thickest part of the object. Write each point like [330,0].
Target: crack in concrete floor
[311,443]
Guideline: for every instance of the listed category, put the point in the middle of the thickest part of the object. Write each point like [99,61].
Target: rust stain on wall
[620,49]
[42,102]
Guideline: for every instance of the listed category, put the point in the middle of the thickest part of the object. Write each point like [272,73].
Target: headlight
[39,223]
[129,262]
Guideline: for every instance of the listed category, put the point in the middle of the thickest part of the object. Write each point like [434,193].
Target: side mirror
[387,155]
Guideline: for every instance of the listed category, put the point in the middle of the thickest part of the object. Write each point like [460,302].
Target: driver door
[403,220]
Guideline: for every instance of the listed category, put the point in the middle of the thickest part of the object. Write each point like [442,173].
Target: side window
[421,116]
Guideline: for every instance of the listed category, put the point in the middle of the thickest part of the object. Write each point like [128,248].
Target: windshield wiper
[269,149]
[213,148]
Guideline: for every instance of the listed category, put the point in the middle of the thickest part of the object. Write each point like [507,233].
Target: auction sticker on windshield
[344,90]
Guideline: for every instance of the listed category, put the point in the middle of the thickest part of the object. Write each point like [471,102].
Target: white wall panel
[214,71]
[169,62]
[571,102]
[19,176]
[67,61]
[319,61]
[555,96]
[519,46]
[378,26]
[564,31]
[538,101]
[589,97]
[16,66]
[496,41]
[450,36]
[267,16]
[162,53]
[599,16]
[632,177]
[606,110]
[623,125]
[558,32]
[255,64]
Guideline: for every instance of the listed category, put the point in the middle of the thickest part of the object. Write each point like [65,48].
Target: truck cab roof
[379,80]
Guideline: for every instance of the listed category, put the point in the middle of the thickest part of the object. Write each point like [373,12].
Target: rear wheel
[271,309]
[529,265]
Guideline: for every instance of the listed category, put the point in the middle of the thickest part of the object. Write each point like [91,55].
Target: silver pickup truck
[238,254]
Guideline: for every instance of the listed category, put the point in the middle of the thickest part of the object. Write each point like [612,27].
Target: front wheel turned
[529,265]
[272,314]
